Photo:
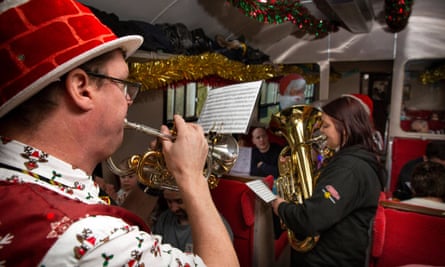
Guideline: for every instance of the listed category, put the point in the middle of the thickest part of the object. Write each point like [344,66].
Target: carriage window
[423,103]
[186,100]
[269,101]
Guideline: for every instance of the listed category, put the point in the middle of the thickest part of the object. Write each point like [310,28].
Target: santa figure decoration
[292,88]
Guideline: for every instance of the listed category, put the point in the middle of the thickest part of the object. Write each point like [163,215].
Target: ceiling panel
[280,41]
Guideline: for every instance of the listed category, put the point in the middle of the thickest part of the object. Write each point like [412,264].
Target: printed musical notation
[229,109]
[261,190]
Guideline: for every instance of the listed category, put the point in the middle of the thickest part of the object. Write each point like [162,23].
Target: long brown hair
[352,121]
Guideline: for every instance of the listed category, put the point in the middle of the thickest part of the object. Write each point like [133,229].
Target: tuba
[151,169]
[299,160]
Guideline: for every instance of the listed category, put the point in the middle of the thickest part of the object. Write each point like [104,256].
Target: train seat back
[404,150]
[250,219]
[406,234]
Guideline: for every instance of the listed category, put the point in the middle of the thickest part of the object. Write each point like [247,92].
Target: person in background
[173,223]
[264,154]
[64,96]
[292,88]
[434,151]
[264,162]
[340,211]
[428,185]
[128,183]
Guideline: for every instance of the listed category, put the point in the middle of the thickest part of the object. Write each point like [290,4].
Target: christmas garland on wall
[209,68]
[277,12]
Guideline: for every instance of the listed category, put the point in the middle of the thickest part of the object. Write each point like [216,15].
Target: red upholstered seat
[406,234]
[281,244]
[404,150]
[434,125]
[234,201]
[246,214]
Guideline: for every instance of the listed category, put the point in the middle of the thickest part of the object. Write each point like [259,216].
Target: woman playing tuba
[341,204]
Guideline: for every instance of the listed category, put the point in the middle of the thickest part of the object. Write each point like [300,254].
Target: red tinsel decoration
[276,12]
[397,13]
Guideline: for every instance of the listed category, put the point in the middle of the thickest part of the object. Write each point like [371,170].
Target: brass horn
[152,171]
[299,125]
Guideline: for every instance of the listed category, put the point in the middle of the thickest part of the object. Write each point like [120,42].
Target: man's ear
[80,89]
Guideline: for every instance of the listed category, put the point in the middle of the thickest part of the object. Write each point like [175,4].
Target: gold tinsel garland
[432,76]
[158,74]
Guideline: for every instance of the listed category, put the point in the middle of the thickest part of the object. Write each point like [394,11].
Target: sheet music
[229,109]
[261,189]
[242,163]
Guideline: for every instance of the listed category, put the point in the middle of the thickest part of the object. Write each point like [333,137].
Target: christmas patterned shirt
[52,216]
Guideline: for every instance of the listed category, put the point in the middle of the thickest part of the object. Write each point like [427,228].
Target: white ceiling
[279,41]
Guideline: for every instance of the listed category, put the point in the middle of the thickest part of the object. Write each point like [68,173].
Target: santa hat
[364,100]
[291,81]
[41,40]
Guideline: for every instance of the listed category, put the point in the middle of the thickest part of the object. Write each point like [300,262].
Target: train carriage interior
[392,51]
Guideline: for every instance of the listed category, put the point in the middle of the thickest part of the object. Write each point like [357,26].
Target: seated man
[173,223]
[265,154]
[428,185]
[435,151]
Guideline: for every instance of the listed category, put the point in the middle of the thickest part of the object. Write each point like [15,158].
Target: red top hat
[365,101]
[40,40]
[291,81]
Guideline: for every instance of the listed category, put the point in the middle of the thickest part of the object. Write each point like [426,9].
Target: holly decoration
[397,13]
[277,12]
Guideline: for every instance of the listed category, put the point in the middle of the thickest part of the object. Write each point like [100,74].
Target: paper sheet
[242,163]
[261,190]
[229,109]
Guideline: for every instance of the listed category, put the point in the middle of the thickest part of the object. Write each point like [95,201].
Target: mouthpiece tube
[148,130]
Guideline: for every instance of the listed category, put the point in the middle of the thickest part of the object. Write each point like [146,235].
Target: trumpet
[151,169]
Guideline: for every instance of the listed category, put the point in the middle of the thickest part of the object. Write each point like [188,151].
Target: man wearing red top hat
[62,72]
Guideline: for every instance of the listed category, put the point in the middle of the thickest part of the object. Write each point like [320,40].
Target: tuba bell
[299,160]
[151,169]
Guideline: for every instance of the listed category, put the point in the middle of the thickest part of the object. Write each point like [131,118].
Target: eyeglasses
[130,89]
